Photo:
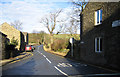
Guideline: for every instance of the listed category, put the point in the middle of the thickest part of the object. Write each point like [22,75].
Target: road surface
[45,64]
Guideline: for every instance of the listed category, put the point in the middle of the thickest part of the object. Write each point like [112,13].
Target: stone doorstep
[3,62]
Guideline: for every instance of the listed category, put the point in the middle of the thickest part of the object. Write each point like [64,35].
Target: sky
[29,12]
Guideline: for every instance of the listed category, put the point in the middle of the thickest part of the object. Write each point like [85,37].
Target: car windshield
[28,46]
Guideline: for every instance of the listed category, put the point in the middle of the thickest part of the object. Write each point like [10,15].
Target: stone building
[25,37]
[3,43]
[101,34]
[11,33]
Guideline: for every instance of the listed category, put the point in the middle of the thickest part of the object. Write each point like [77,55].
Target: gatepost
[72,42]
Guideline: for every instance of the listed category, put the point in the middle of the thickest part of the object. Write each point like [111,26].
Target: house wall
[110,35]
[11,32]
[25,37]
[3,43]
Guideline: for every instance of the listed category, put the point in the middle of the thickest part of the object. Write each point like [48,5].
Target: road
[43,63]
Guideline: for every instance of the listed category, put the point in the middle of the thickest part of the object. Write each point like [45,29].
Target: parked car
[28,48]
[33,47]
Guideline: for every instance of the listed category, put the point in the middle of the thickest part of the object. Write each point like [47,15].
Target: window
[98,17]
[98,44]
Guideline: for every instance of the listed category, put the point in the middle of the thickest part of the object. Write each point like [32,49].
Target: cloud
[28,11]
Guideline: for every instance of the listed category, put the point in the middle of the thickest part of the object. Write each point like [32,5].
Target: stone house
[3,43]
[25,37]
[100,44]
[11,33]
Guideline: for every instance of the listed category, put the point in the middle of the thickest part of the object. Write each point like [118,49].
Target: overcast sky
[29,12]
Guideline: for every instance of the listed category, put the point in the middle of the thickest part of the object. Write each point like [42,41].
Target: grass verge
[57,53]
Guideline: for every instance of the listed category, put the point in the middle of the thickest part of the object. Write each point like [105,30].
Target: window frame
[98,17]
[98,49]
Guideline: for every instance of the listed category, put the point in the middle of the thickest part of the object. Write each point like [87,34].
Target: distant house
[101,34]
[25,37]
[11,33]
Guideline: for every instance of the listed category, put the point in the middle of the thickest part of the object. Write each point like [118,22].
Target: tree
[81,4]
[73,26]
[61,27]
[13,42]
[35,31]
[50,22]
[17,24]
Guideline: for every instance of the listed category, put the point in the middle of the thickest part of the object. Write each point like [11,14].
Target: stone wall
[110,35]
[3,43]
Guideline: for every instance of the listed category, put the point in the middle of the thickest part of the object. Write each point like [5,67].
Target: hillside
[37,38]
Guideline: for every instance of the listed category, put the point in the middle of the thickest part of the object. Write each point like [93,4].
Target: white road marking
[44,56]
[64,65]
[48,60]
[38,51]
[60,71]
[69,64]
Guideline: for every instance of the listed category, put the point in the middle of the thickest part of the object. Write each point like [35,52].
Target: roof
[6,24]
[3,34]
[25,33]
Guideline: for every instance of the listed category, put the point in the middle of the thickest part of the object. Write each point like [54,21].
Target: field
[37,38]
[60,42]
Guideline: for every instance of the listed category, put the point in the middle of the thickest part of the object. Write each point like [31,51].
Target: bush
[59,44]
[10,49]
[13,42]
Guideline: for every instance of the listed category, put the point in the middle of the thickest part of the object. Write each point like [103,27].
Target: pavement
[17,58]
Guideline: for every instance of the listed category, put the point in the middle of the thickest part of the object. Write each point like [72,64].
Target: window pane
[100,44]
[98,16]
[97,44]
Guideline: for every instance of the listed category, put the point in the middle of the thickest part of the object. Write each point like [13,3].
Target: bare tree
[61,26]
[17,24]
[50,22]
[35,31]
[81,4]
[73,26]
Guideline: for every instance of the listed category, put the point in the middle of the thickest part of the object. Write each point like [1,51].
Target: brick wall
[110,36]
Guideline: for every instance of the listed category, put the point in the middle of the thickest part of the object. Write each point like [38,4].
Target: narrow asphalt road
[46,64]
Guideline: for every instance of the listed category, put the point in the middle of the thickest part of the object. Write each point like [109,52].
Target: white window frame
[98,38]
[25,38]
[96,16]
